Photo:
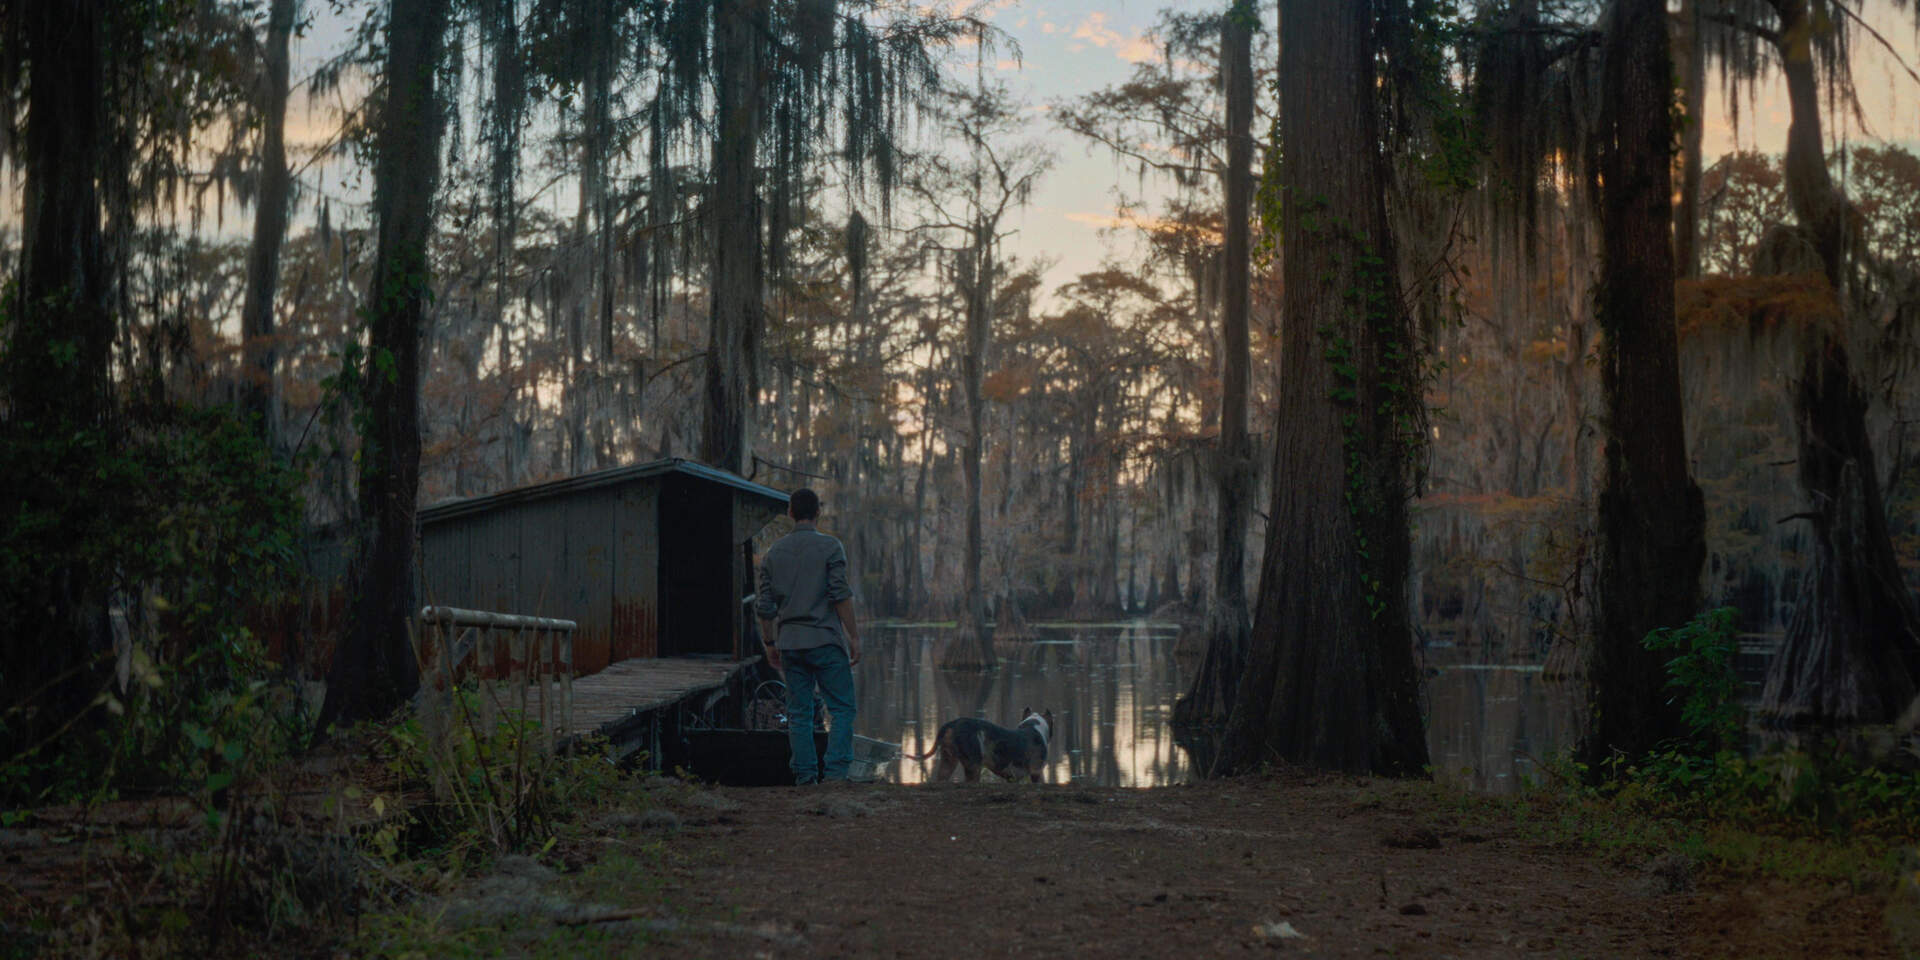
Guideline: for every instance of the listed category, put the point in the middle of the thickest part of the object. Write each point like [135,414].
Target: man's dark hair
[804,504]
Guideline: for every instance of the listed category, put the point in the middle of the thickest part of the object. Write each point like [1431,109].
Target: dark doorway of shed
[698,599]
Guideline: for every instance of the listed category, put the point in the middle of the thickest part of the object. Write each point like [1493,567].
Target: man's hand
[769,635]
[851,628]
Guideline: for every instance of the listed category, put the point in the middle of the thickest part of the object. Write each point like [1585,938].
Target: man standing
[807,627]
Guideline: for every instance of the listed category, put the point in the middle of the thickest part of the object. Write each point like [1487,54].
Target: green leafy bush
[1821,781]
[1701,675]
[129,564]
[478,788]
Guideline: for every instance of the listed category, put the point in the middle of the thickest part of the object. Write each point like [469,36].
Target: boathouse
[650,560]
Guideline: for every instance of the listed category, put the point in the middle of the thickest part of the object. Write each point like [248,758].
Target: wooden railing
[539,657]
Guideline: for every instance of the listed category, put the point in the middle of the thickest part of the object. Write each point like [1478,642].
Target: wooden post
[519,677]
[547,709]
[566,684]
[523,670]
[483,668]
[438,694]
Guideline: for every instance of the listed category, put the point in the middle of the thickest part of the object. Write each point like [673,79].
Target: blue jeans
[828,668]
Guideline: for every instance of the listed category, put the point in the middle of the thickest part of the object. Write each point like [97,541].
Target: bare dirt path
[1319,866]
[1325,867]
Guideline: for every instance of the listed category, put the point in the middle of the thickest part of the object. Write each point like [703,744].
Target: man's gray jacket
[802,576]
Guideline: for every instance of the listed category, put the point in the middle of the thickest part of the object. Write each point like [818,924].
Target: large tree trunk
[1578,240]
[1817,204]
[1009,621]
[1850,653]
[1330,680]
[1211,697]
[733,212]
[59,343]
[1079,437]
[1078,552]
[972,646]
[269,231]
[590,304]
[916,600]
[1652,517]
[374,669]
[576,294]
[61,301]
[1109,582]
[1693,71]
[500,25]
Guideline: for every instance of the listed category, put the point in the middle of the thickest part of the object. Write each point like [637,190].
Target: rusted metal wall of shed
[590,556]
[586,572]
[472,562]
[298,630]
[493,554]
[647,564]
[636,572]
[444,571]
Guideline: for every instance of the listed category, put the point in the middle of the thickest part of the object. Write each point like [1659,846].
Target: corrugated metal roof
[447,509]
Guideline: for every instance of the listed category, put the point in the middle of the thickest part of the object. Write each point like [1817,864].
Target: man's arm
[770,635]
[841,596]
[765,607]
[845,609]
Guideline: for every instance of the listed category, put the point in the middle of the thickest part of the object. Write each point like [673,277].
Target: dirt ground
[1320,866]
[1325,867]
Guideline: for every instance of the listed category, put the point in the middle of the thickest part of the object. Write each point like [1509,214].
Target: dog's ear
[1026,712]
[1049,717]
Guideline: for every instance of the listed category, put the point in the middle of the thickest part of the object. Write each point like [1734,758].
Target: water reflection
[1112,688]
[1489,727]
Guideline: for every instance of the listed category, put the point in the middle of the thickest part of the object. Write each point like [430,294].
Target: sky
[1889,96]
[1066,48]
[1071,47]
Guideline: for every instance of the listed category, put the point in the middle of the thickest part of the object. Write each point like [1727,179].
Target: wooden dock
[622,703]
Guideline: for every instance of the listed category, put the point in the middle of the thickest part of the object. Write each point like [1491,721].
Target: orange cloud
[1094,30]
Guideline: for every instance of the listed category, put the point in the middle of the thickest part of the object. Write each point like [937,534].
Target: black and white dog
[1011,754]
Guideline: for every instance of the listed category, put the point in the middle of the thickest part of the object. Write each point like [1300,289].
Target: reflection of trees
[1075,733]
[1199,745]
[1127,713]
[968,692]
[1520,745]
[893,694]
[1106,766]
[1156,687]
[927,704]
[1111,692]
[1486,724]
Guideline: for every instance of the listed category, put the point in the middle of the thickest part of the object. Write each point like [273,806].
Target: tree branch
[1748,27]
[763,461]
[1875,34]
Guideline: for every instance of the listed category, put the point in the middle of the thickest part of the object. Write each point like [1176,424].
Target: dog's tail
[904,755]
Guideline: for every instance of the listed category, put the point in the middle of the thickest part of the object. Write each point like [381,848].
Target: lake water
[1111,688]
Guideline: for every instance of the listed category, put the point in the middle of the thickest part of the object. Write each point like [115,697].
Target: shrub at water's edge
[1823,808]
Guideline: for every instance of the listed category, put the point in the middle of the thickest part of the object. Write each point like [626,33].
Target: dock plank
[629,688]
